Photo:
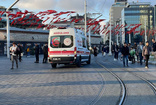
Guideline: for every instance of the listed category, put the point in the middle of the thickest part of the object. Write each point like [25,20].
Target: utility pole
[145,32]
[8,29]
[110,37]
[117,36]
[120,31]
[129,36]
[117,39]
[89,38]
[85,18]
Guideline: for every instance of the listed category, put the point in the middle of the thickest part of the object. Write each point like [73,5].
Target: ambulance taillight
[75,52]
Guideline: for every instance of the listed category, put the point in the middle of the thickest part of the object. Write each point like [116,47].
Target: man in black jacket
[45,52]
[37,53]
[125,54]
[19,51]
[154,45]
[115,50]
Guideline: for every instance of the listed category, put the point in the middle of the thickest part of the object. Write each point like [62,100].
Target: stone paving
[137,66]
[39,84]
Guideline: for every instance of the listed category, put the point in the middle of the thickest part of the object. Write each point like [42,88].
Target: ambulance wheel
[89,60]
[53,65]
[78,64]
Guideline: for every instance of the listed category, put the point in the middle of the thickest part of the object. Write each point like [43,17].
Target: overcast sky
[94,6]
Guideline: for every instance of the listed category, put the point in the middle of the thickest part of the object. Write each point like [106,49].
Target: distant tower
[120,0]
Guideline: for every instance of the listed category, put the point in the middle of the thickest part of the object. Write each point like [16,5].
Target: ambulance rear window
[65,41]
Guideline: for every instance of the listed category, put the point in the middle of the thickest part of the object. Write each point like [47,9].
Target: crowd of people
[16,53]
[128,52]
[134,53]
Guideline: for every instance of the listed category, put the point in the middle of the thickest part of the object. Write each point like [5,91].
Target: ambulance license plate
[56,59]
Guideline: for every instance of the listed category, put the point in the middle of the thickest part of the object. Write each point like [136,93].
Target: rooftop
[138,3]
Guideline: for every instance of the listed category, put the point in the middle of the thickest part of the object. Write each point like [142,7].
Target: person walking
[104,51]
[95,51]
[146,53]
[154,45]
[115,50]
[125,54]
[19,51]
[107,49]
[135,47]
[45,52]
[37,53]
[132,55]
[139,52]
[28,51]
[154,48]
[13,50]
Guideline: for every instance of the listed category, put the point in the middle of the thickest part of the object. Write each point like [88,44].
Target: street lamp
[85,10]
[117,39]
[8,29]
[110,37]
[129,36]
[145,32]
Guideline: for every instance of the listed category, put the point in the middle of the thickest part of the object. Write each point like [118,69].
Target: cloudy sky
[94,6]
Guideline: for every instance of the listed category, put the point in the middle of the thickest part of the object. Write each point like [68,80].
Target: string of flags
[42,18]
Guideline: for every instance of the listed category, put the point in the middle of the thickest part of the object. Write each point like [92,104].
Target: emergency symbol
[55,42]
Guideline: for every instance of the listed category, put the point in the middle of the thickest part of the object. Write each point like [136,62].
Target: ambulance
[67,45]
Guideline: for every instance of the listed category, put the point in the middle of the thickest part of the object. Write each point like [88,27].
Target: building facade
[115,17]
[25,37]
[28,38]
[137,13]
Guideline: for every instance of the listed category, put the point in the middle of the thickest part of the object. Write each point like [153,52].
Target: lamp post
[110,36]
[8,29]
[117,39]
[129,36]
[145,32]
[85,3]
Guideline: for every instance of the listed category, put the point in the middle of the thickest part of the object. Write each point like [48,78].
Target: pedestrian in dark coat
[154,45]
[146,53]
[139,52]
[115,50]
[45,52]
[37,53]
[19,52]
[135,47]
[125,54]
[95,51]
[104,51]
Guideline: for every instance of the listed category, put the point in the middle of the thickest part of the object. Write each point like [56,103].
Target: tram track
[152,86]
[122,84]
[101,92]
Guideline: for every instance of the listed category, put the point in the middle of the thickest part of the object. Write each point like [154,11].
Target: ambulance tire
[78,64]
[53,65]
[89,60]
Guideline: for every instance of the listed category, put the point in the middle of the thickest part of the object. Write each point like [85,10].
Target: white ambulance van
[67,46]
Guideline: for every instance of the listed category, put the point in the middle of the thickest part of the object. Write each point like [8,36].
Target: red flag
[46,19]
[116,27]
[142,32]
[2,12]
